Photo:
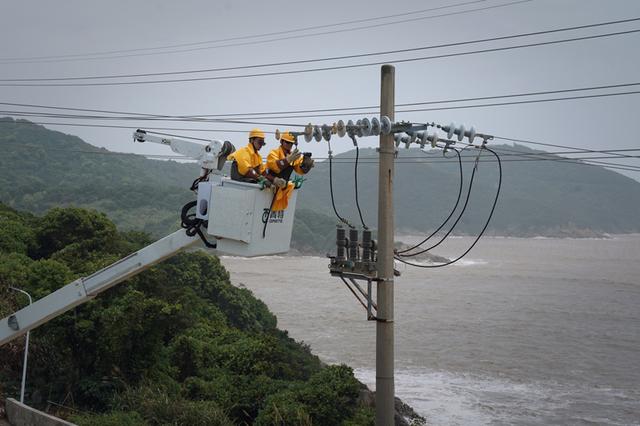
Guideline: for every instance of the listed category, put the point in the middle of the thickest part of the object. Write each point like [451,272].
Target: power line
[298,36]
[334,58]
[302,111]
[247,119]
[332,68]
[493,207]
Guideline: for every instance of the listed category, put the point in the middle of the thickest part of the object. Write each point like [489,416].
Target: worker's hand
[263,182]
[293,156]
[279,182]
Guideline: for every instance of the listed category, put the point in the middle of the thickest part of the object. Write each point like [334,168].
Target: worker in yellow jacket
[283,161]
[247,163]
[286,159]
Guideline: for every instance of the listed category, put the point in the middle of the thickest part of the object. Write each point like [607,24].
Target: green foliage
[328,398]
[116,418]
[175,345]
[157,407]
[16,231]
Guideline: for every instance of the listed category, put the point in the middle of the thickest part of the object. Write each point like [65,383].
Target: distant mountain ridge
[552,198]
[41,169]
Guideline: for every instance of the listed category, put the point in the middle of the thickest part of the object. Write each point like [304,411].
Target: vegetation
[175,345]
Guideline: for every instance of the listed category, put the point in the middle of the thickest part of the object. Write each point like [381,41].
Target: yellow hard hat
[256,133]
[286,136]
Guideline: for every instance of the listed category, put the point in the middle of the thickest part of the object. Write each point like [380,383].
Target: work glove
[293,156]
[280,183]
[263,182]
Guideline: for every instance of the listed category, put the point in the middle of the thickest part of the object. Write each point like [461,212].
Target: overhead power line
[308,70]
[326,59]
[373,109]
[114,55]
[250,119]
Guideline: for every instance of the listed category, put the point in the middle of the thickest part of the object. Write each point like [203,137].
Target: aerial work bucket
[241,219]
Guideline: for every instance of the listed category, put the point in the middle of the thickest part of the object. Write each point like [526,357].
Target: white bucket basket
[237,215]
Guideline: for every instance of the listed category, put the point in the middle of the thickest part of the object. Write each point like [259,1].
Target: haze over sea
[522,331]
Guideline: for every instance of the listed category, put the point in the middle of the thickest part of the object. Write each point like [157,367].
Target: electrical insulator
[367,254]
[397,138]
[471,134]
[408,139]
[350,128]
[358,129]
[460,132]
[385,125]
[422,138]
[353,244]
[366,126]
[341,243]
[433,139]
[326,132]
[375,126]
[450,130]
[308,132]
[341,128]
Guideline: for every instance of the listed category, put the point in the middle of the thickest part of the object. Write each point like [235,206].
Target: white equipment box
[238,212]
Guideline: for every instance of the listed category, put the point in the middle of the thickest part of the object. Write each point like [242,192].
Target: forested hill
[177,344]
[537,197]
[40,169]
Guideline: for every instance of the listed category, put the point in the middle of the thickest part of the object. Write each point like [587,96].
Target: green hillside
[177,344]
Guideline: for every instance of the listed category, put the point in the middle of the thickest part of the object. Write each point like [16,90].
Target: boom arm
[210,157]
[84,289]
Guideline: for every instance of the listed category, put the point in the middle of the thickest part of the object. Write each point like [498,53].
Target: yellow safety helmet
[256,133]
[288,137]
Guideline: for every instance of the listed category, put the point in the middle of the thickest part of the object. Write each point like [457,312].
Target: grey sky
[44,28]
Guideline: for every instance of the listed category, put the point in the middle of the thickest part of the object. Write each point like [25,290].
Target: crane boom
[84,289]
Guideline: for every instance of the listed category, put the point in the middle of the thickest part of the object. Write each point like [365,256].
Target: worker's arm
[275,162]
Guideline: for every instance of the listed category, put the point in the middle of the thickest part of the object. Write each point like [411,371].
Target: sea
[521,331]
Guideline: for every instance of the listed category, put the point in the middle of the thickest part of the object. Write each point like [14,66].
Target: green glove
[297,181]
[263,182]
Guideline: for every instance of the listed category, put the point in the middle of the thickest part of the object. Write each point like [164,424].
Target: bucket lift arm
[210,157]
[84,289]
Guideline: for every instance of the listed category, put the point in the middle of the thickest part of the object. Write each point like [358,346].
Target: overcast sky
[39,39]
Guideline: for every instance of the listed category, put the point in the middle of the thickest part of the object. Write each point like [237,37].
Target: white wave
[470,262]
[445,398]
[461,262]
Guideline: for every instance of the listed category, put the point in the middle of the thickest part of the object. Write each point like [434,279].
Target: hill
[177,344]
[537,197]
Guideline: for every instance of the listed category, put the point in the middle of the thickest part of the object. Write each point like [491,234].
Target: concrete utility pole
[385,388]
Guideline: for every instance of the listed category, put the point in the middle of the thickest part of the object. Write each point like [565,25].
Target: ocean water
[522,331]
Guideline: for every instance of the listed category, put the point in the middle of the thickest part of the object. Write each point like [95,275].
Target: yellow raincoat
[283,195]
[247,158]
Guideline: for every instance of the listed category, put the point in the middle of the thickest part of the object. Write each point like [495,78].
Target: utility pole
[385,388]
